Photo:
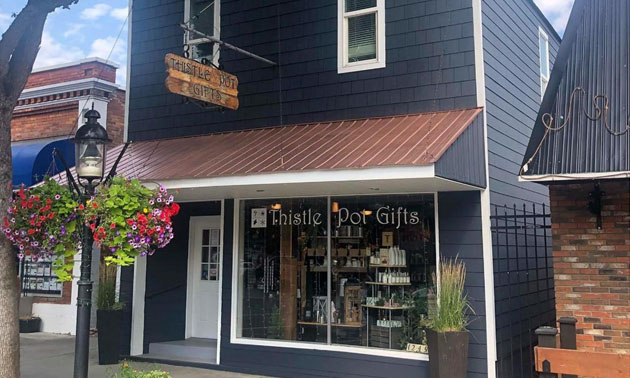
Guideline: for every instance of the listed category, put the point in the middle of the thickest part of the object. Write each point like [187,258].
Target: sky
[90,29]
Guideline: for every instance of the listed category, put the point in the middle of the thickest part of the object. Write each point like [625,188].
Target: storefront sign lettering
[305,218]
[386,215]
[205,83]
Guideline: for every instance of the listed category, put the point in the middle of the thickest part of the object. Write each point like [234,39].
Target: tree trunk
[9,296]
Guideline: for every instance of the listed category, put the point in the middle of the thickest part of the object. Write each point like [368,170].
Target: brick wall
[72,73]
[44,122]
[116,117]
[591,266]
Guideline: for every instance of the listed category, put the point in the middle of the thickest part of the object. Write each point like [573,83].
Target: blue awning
[33,161]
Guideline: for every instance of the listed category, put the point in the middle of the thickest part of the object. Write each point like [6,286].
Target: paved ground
[45,355]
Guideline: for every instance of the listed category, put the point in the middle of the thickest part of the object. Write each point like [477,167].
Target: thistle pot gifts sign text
[127,220]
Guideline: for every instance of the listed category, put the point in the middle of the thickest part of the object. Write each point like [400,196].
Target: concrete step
[193,349]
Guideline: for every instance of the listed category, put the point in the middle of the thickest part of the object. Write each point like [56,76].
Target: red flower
[101,230]
[95,205]
[29,205]
[81,207]
[51,215]
[31,231]
[174,208]
[48,201]
[130,221]
[32,222]
[37,198]
[92,226]
[42,217]
[113,225]
[6,222]
[21,193]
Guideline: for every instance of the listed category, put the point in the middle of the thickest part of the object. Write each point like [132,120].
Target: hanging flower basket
[42,223]
[127,220]
[130,220]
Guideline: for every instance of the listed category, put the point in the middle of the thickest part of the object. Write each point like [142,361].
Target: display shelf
[386,307]
[341,325]
[387,266]
[389,284]
[341,269]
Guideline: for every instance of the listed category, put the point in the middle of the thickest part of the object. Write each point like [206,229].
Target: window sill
[332,348]
[360,67]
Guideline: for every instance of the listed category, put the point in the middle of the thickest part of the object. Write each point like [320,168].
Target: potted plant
[108,317]
[447,335]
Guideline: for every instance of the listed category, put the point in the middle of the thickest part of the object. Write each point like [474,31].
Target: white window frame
[217,29]
[343,66]
[544,78]
[236,307]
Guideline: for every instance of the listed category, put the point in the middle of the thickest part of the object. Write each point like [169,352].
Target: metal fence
[524,287]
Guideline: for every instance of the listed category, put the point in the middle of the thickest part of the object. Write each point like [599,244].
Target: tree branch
[23,25]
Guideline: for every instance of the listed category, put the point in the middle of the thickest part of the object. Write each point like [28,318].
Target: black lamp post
[90,146]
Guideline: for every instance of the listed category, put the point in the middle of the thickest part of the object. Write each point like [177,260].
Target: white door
[204,263]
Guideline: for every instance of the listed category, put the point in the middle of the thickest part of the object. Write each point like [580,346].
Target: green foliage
[127,371]
[452,302]
[276,328]
[412,325]
[130,220]
[42,222]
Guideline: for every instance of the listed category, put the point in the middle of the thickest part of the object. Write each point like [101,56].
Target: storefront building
[314,215]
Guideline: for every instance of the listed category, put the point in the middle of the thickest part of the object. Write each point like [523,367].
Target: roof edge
[77,63]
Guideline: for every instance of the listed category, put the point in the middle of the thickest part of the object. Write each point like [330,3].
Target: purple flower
[20,256]
[21,247]
[159,199]
[57,197]
[133,227]
[113,249]
[151,201]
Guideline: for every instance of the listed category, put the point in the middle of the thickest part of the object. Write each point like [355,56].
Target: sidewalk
[44,355]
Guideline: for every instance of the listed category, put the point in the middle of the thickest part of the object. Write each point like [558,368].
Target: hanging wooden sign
[204,83]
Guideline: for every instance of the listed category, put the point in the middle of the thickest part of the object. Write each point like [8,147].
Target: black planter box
[108,323]
[448,354]
[30,325]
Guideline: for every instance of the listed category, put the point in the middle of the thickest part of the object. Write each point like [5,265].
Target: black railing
[523,280]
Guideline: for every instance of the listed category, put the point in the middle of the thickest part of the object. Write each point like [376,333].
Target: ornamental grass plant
[452,302]
[106,294]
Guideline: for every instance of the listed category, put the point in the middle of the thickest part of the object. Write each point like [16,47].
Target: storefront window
[382,261]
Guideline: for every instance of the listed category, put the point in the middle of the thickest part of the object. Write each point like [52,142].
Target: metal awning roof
[388,154]
[410,140]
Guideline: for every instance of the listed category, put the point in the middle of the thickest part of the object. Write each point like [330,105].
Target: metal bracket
[209,38]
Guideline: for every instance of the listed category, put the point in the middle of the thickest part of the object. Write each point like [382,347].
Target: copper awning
[409,140]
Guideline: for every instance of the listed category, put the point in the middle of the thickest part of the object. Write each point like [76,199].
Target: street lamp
[90,147]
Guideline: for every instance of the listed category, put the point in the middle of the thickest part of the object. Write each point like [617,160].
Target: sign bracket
[209,38]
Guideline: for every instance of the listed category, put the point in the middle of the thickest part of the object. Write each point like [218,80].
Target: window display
[377,252]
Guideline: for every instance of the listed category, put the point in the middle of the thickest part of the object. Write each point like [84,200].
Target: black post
[547,339]
[84,299]
[568,337]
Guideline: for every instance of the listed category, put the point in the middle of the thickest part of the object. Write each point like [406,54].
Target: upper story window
[203,16]
[361,35]
[543,45]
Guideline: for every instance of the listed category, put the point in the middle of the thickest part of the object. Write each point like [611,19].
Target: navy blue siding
[126,297]
[512,74]
[464,161]
[430,65]
[167,272]
[461,235]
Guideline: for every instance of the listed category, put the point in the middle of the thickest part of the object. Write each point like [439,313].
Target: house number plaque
[204,83]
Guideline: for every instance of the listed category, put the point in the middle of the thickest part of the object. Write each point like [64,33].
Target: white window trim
[544,79]
[343,66]
[236,289]
[217,29]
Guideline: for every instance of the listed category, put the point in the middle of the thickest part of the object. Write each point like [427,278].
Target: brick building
[48,113]
[584,157]
[46,117]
